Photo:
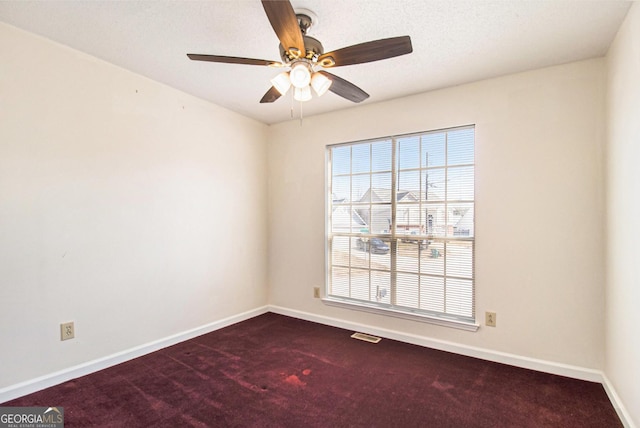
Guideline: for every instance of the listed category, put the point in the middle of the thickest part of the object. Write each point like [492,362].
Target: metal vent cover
[366,337]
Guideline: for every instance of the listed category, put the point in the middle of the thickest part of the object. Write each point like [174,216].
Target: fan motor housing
[312,46]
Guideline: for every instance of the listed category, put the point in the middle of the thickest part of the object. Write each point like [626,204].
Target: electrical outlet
[490,319]
[67,331]
[316,292]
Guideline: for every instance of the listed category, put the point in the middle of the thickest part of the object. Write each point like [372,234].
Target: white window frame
[468,323]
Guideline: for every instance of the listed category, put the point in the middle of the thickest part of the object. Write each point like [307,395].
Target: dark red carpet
[276,371]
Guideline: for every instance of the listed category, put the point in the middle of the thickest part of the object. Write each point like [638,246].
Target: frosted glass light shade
[302,94]
[320,83]
[281,82]
[300,75]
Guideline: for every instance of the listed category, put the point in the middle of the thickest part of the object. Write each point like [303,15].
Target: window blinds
[401,223]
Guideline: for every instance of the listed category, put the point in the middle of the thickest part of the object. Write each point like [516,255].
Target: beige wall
[125,206]
[126,203]
[539,215]
[623,214]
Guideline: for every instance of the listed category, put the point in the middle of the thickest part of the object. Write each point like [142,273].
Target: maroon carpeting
[276,371]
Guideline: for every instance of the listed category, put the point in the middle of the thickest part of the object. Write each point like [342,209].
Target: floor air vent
[366,337]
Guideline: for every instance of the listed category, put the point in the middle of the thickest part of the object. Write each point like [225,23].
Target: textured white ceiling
[454,42]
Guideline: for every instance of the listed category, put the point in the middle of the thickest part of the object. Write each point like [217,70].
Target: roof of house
[384,195]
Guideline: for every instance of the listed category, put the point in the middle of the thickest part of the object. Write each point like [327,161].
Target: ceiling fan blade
[345,89]
[367,52]
[284,22]
[234,60]
[271,95]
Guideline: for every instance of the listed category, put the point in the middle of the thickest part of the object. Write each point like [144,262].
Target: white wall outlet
[67,331]
[490,319]
[316,292]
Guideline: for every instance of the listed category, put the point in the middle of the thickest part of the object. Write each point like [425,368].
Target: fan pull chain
[300,113]
[292,102]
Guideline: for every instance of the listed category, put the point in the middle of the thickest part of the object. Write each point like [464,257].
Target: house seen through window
[401,224]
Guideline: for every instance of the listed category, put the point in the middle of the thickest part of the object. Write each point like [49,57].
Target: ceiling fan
[303,57]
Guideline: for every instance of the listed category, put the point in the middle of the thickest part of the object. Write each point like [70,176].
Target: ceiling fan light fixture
[302,94]
[281,82]
[300,75]
[320,83]
[302,54]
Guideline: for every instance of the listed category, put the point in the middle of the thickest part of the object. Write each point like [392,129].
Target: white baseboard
[470,351]
[551,367]
[624,415]
[37,384]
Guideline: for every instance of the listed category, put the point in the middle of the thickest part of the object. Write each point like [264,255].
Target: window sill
[461,325]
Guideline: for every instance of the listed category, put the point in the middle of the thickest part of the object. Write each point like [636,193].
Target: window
[401,225]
